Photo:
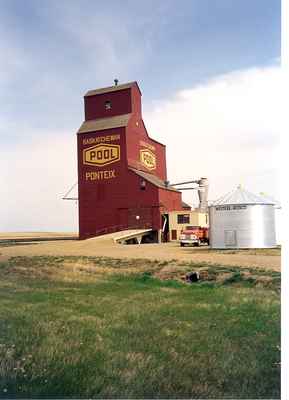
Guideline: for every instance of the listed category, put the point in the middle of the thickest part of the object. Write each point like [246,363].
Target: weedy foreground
[118,328]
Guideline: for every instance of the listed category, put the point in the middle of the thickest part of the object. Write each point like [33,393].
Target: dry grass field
[29,235]
[267,258]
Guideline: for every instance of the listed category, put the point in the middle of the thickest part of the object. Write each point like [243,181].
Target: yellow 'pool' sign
[101,154]
[148,159]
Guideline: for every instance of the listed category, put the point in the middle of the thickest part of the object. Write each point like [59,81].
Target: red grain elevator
[121,170]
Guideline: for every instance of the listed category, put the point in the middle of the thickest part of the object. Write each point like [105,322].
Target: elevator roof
[110,89]
[100,124]
[153,179]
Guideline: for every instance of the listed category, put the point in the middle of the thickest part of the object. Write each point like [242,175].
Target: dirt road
[165,251]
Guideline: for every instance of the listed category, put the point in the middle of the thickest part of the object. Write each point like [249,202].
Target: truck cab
[194,236]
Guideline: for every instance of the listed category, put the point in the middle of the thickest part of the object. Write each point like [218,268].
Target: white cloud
[35,177]
[226,129]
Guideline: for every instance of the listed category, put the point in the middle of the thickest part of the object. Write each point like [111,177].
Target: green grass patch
[67,330]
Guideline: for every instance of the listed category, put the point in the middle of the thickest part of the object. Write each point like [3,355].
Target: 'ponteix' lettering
[100,175]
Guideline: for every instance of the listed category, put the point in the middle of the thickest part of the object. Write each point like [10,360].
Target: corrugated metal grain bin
[241,219]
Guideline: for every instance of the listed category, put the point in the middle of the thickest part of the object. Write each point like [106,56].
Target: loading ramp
[123,236]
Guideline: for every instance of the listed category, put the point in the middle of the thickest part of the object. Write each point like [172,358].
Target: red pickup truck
[194,235]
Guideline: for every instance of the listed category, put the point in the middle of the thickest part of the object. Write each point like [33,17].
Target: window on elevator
[107,105]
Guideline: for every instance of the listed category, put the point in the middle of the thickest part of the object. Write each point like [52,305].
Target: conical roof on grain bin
[241,196]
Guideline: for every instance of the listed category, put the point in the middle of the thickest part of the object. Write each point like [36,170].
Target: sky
[210,76]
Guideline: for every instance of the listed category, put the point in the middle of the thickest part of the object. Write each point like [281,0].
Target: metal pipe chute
[203,194]
[202,186]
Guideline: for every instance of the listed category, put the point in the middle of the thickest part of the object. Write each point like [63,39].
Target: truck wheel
[182,244]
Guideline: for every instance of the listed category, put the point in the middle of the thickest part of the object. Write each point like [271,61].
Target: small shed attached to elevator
[241,219]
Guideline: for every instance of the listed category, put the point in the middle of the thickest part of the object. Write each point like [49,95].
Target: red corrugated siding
[137,139]
[120,104]
[170,200]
